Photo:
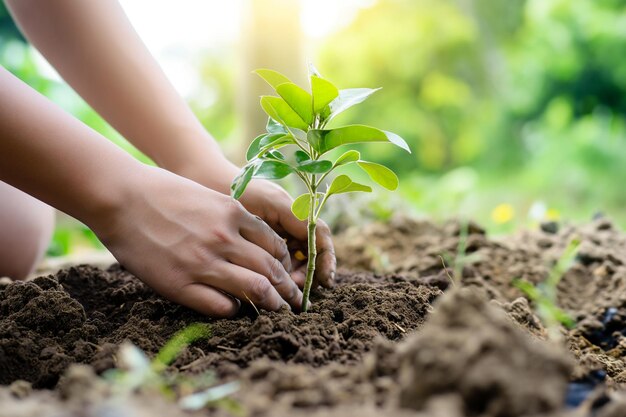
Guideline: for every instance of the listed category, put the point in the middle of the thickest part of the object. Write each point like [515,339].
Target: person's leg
[26,225]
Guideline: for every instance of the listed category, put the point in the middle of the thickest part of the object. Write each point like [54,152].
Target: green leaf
[313,70]
[241,181]
[348,98]
[279,110]
[273,146]
[315,167]
[255,147]
[315,138]
[298,99]
[326,140]
[273,170]
[178,342]
[380,174]
[323,93]
[527,288]
[265,142]
[274,127]
[344,184]
[348,157]
[273,78]
[274,139]
[276,154]
[301,206]
[301,156]
[397,140]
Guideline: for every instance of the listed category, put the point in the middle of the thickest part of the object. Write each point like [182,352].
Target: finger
[255,230]
[246,285]
[298,275]
[292,225]
[253,258]
[326,262]
[207,300]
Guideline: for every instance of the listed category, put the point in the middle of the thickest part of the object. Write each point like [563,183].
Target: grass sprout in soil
[402,342]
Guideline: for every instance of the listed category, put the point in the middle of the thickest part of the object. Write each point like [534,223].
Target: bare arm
[43,152]
[191,244]
[96,50]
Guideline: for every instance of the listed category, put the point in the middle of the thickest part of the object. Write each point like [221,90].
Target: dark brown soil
[370,346]
[83,313]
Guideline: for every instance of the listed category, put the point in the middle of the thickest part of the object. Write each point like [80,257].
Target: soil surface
[424,321]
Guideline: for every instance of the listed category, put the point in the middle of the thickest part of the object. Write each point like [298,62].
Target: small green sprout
[544,294]
[137,373]
[461,259]
[298,119]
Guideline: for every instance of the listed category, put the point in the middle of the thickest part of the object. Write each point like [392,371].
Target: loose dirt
[418,325]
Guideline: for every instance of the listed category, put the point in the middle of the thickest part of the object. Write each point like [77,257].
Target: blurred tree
[272,38]
[529,93]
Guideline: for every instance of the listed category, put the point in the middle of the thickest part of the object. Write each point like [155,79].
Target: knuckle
[260,289]
[275,269]
[235,207]
[280,248]
[198,255]
[223,237]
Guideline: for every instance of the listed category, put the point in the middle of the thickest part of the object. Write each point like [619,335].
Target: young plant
[298,120]
[544,294]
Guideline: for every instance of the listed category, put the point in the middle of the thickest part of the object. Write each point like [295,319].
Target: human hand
[273,204]
[198,247]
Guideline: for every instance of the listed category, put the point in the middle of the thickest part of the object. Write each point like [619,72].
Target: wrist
[110,194]
[209,168]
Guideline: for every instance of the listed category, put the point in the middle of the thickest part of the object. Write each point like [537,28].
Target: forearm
[96,50]
[52,156]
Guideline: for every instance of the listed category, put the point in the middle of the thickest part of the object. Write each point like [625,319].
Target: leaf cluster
[297,141]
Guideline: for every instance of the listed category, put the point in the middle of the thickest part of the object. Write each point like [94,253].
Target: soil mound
[369,346]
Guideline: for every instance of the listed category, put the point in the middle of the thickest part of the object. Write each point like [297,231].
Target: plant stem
[310,266]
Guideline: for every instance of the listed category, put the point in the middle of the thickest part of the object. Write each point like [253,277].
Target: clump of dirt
[470,349]
[592,291]
[469,359]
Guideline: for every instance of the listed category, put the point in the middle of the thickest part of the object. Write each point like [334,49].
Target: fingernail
[331,281]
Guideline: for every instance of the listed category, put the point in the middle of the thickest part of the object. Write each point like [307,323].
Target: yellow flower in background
[553,214]
[503,213]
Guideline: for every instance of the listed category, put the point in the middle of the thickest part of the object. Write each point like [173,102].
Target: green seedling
[136,372]
[543,295]
[461,259]
[298,122]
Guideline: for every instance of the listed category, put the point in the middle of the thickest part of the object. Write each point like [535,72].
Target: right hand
[198,247]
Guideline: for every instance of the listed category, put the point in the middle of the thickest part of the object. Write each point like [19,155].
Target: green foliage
[503,91]
[544,294]
[298,122]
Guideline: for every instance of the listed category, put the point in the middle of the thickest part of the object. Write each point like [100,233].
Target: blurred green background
[515,110]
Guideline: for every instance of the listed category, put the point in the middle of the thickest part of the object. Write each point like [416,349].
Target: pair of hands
[203,249]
